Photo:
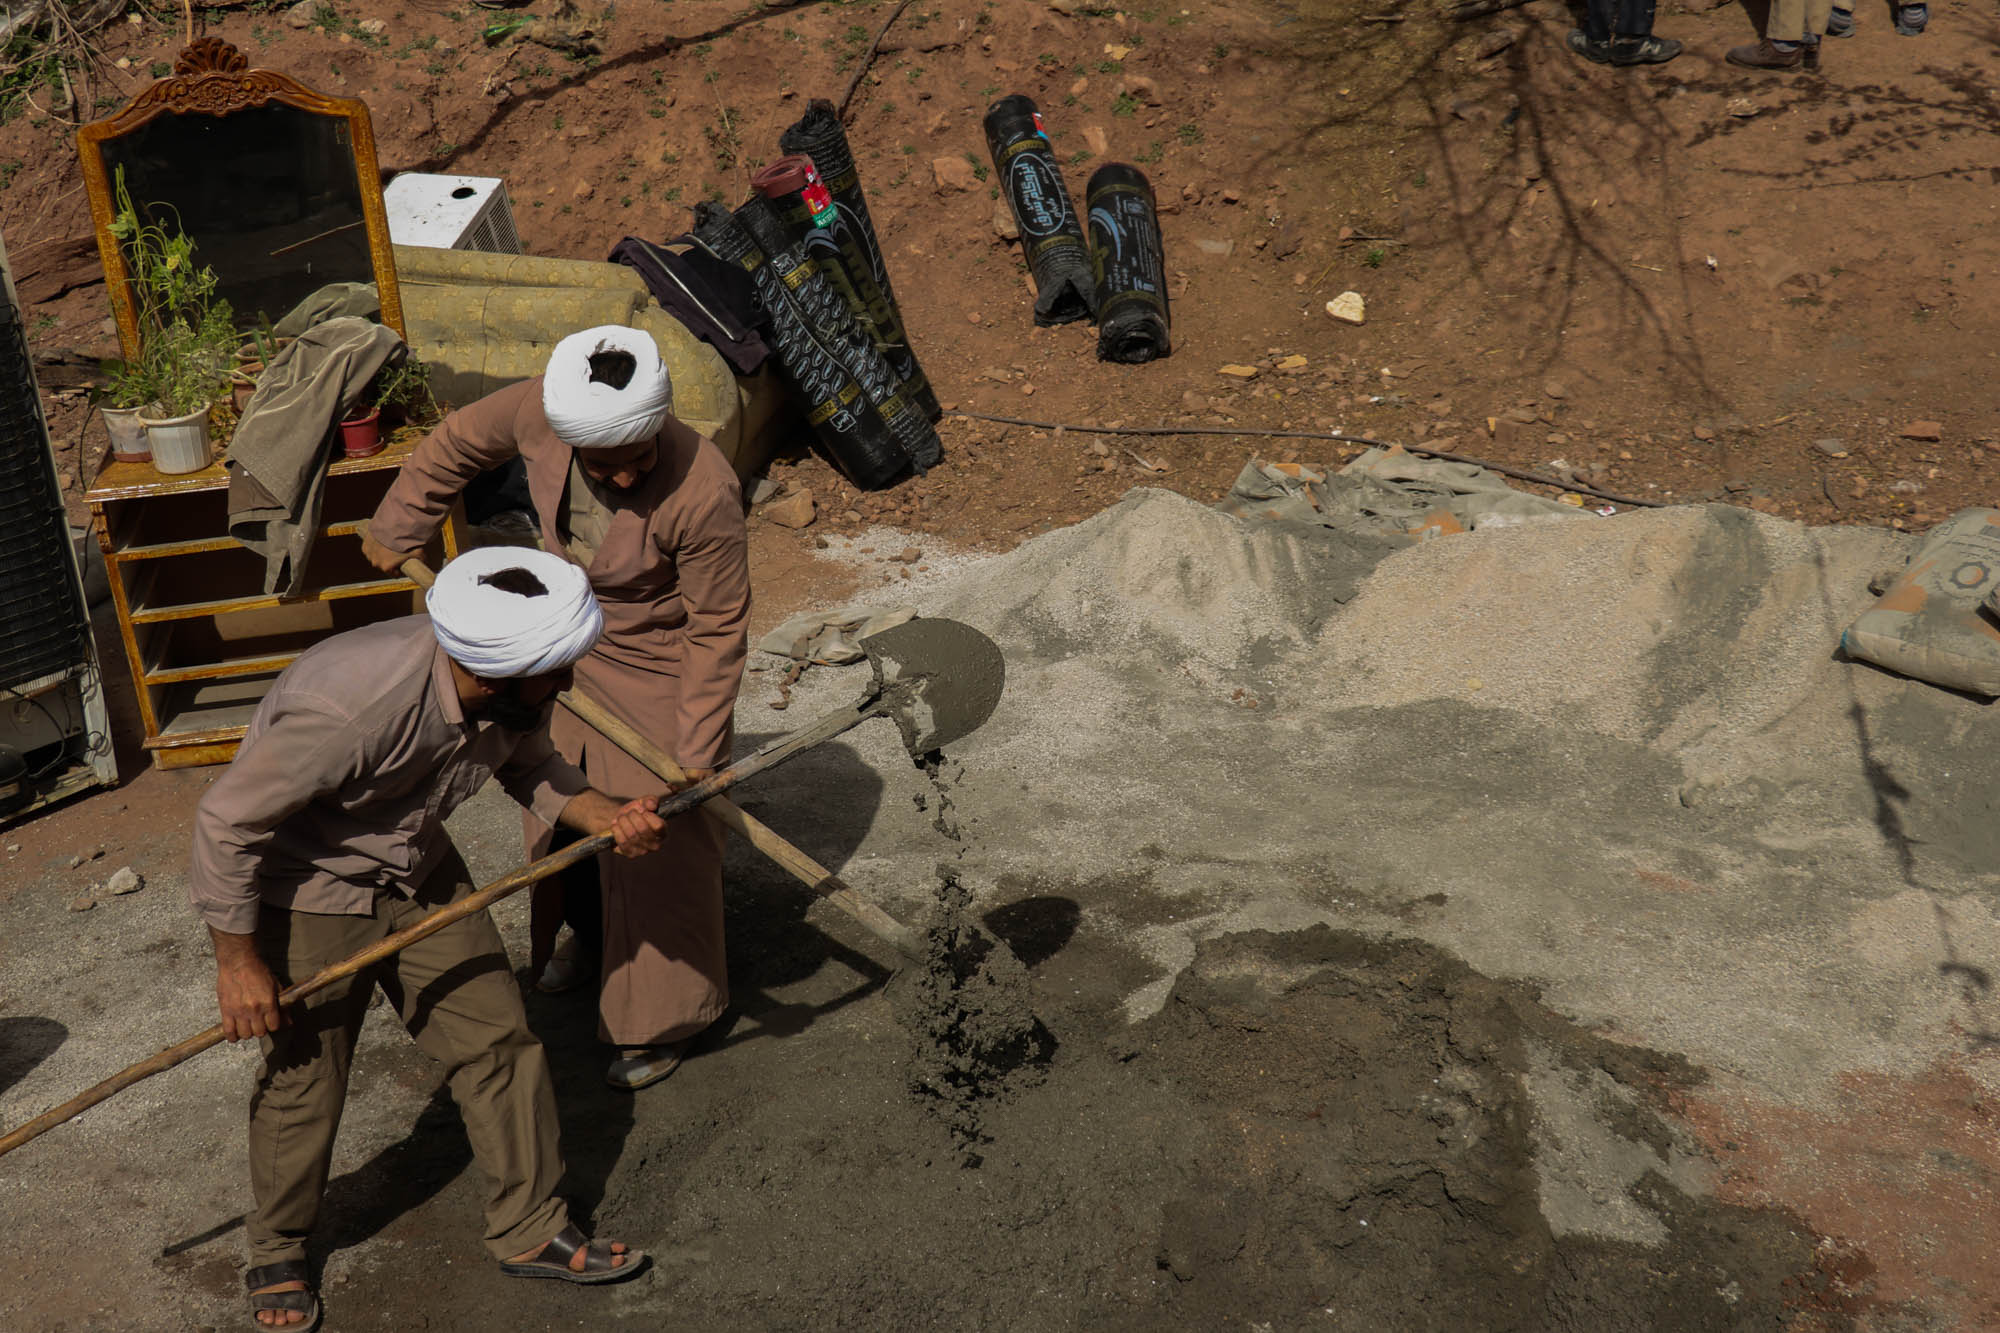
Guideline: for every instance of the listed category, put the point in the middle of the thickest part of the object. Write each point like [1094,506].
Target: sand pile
[1700,630]
[1160,578]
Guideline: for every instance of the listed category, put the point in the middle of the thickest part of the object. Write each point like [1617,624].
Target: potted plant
[131,388]
[186,337]
[403,393]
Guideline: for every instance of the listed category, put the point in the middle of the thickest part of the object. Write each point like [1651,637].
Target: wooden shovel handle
[726,812]
[374,953]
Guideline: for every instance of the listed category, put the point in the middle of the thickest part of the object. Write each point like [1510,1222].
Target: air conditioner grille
[43,629]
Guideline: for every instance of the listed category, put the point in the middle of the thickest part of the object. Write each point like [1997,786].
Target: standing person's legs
[455,993]
[303,1084]
[666,974]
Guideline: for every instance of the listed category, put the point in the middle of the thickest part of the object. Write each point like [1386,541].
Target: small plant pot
[241,386]
[128,434]
[180,444]
[361,434]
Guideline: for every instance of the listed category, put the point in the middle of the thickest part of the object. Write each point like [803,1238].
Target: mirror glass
[269,194]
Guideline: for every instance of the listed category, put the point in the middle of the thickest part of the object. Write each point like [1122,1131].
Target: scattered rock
[1703,433]
[82,903]
[1100,448]
[1096,140]
[373,27]
[1348,308]
[793,511]
[1554,389]
[996,374]
[13,847]
[1004,225]
[583,190]
[1291,363]
[1211,246]
[1923,430]
[1231,195]
[1115,51]
[909,555]
[1832,448]
[1239,372]
[953,174]
[851,516]
[1076,89]
[1493,43]
[972,317]
[1742,108]
[125,880]
[301,14]
[762,489]
[1141,88]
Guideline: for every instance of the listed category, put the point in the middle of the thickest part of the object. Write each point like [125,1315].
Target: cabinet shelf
[203,641]
[203,545]
[144,614]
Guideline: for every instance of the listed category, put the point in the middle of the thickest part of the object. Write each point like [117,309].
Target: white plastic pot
[180,444]
[128,434]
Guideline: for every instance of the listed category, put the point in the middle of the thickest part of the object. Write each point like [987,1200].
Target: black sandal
[270,1275]
[598,1267]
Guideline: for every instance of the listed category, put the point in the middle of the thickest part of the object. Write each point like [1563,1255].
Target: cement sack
[1929,624]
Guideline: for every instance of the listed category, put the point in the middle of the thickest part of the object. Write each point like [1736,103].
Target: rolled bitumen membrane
[811,217]
[1051,236]
[1129,264]
[819,136]
[819,305]
[848,425]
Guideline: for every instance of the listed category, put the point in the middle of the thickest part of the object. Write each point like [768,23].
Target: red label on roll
[1040,128]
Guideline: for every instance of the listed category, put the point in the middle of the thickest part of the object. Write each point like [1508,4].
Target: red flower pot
[361,436]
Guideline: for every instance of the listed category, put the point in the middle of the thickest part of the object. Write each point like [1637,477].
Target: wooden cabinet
[202,639]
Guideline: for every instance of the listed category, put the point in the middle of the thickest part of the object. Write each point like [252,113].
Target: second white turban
[592,414]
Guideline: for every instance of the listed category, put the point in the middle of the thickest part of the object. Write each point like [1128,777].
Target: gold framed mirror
[276,184]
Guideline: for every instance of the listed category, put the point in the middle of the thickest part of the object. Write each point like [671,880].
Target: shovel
[938,680]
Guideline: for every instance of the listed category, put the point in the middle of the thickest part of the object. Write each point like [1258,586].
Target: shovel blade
[939,679]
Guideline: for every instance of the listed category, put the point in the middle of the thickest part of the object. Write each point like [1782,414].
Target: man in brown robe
[653,513]
[326,834]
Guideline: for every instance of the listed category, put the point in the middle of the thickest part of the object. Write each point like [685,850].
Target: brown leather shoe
[1761,54]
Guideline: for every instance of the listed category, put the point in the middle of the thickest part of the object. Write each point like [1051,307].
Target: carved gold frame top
[213,78]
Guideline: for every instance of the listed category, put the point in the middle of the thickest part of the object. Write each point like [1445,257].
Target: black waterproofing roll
[1129,263]
[819,135]
[832,239]
[828,316]
[854,434]
[1051,236]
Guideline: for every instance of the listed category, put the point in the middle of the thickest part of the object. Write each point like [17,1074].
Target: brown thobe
[325,835]
[671,571]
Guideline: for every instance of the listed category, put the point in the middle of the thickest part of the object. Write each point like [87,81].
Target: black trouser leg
[583,896]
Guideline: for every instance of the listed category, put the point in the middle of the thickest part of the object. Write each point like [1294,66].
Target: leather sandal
[642,1066]
[598,1263]
[270,1275]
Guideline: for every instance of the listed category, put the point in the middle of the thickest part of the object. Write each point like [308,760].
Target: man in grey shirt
[326,834]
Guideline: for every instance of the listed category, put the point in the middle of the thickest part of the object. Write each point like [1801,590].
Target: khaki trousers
[1791,20]
[457,996]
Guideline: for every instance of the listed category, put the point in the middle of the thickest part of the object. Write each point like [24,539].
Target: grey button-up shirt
[344,780]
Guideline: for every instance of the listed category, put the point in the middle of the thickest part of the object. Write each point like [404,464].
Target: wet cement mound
[1389,1157]
[1319,1130]
[969,1011]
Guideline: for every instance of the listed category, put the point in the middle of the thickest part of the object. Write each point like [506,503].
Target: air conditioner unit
[55,733]
[451,213]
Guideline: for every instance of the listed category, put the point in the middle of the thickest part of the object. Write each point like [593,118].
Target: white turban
[496,633]
[594,415]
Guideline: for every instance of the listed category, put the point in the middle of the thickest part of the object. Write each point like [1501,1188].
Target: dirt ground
[1695,1063]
